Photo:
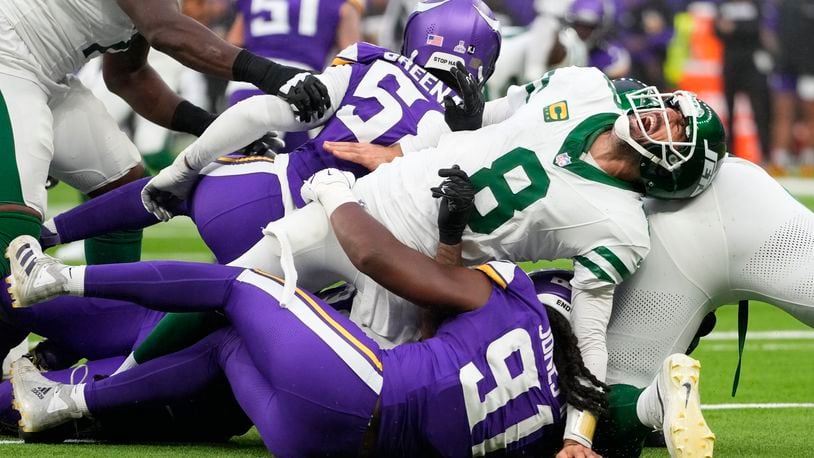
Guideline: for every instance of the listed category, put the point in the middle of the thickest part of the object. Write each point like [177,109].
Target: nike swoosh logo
[425,6]
[493,23]
[689,388]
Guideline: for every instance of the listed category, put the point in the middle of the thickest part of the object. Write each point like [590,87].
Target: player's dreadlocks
[581,389]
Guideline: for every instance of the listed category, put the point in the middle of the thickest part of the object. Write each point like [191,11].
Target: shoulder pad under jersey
[360,53]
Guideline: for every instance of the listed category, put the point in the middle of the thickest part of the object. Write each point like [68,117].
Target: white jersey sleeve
[590,314]
[250,119]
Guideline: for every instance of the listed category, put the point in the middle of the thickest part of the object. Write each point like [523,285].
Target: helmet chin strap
[621,128]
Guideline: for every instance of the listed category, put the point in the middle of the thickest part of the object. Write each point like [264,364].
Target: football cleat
[43,404]
[35,276]
[685,430]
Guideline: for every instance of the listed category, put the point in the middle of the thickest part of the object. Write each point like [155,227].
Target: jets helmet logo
[556,112]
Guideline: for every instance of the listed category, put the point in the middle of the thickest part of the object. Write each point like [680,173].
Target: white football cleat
[35,277]
[685,430]
[42,403]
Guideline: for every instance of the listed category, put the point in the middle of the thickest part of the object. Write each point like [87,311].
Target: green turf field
[776,369]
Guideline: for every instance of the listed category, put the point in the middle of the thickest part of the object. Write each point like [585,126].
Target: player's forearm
[238,126]
[589,318]
[195,46]
[148,95]
[449,255]
[376,252]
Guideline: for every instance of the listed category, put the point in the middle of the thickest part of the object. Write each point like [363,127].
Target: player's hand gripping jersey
[485,382]
[61,36]
[538,195]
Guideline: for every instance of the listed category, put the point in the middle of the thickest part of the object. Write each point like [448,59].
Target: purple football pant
[307,377]
[89,327]
[292,139]
[229,212]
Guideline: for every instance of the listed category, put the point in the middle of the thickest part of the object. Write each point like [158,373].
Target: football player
[555,148]
[540,175]
[365,399]
[746,238]
[50,123]
[238,195]
[270,28]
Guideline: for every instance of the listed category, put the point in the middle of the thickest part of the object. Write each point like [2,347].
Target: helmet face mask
[671,168]
[440,33]
[670,153]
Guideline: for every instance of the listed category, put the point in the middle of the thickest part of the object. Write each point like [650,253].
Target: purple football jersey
[271,26]
[485,382]
[387,97]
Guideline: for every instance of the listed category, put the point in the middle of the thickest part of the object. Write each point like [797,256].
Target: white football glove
[168,189]
[329,187]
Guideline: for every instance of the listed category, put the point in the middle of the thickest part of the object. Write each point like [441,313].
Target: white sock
[51,226]
[129,363]
[78,397]
[648,407]
[76,279]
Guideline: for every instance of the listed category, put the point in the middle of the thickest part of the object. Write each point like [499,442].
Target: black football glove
[268,145]
[469,114]
[307,96]
[457,201]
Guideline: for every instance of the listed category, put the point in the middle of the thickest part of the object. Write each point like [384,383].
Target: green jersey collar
[579,140]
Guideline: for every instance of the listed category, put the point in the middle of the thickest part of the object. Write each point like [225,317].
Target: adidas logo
[40,391]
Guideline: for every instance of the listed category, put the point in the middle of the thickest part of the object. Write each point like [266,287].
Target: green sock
[621,434]
[157,161]
[13,225]
[114,247]
[177,331]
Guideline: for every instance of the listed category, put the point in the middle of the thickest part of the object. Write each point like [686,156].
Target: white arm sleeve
[250,119]
[589,319]
[503,108]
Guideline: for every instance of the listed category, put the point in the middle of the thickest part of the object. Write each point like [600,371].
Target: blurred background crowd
[752,60]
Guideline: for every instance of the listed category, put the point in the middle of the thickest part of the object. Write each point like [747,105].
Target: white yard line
[732,347]
[798,186]
[787,405]
[67,441]
[763,335]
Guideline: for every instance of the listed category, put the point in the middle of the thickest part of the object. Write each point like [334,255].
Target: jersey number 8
[519,165]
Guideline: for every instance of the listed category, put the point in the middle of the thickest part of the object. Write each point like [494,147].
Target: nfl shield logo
[435,40]
[562,159]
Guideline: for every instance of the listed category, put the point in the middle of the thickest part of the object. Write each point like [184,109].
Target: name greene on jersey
[422,77]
